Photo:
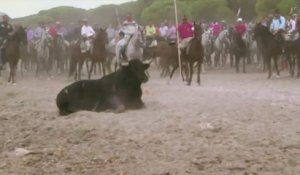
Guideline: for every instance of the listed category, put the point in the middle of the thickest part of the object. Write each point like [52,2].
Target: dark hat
[277,11]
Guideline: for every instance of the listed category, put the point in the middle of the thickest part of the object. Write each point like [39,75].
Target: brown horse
[194,53]
[11,51]
[77,60]
[99,53]
[272,46]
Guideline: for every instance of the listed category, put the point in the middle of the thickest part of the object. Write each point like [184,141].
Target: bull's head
[138,69]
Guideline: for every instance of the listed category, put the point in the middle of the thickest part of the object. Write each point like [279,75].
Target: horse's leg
[276,66]
[268,60]
[103,64]
[237,63]
[289,59]
[172,72]
[298,62]
[81,62]
[91,69]
[14,71]
[244,64]
[198,72]
[191,73]
[10,72]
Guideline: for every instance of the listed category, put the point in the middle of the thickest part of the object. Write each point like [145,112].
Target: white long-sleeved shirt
[293,26]
[87,31]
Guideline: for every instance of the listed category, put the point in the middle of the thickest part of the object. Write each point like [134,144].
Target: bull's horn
[124,63]
[149,61]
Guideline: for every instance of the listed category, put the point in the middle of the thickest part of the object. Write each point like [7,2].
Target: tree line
[156,11]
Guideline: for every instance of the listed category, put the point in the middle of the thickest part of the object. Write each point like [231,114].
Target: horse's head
[198,31]
[101,36]
[21,34]
[137,38]
[279,36]
[260,30]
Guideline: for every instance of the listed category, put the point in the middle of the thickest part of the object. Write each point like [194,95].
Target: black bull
[117,91]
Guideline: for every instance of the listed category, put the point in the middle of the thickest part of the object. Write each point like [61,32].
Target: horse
[11,51]
[99,53]
[134,48]
[60,54]
[220,45]
[194,53]
[77,59]
[207,43]
[43,47]
[272,45]
[239,50]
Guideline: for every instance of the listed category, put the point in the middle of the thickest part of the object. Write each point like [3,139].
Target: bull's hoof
[64,113]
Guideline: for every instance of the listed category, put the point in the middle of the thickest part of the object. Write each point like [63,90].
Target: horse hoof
[277,76]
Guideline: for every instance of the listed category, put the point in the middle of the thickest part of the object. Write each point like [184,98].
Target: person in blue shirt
[278,22]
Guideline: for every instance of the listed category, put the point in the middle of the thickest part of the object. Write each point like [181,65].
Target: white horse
[207,44]
[134,49]
[42,47]
[220,47]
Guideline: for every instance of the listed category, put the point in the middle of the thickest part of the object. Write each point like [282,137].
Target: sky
[20,8]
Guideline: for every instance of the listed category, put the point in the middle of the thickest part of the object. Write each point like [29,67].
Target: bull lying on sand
[117,91]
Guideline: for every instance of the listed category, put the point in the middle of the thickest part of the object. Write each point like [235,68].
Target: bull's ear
[146,65]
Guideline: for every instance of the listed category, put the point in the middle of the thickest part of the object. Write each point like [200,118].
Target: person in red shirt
[240,27]
[52,31]
[186,32]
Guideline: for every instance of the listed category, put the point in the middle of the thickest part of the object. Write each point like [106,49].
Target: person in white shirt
[87,33]
[163,30]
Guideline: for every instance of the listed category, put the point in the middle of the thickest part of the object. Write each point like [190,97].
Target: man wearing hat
[278,22]
[87,33]
[5,29]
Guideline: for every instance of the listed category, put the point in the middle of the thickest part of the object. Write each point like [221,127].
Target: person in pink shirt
[185,30]
[216,29]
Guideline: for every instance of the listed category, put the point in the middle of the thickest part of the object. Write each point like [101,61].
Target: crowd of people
[166,29]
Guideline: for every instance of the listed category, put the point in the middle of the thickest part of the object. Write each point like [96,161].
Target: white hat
[239,20]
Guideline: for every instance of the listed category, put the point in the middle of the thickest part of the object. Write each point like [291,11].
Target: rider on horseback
[278,22]
[127,30]
[241,28]
[87,33]
[150,34]
[5,30]
[185,30]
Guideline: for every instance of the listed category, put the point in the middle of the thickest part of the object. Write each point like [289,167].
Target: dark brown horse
[77,60]
[272,45]
[11,51]
[194,53]
[99,53]
[239,50]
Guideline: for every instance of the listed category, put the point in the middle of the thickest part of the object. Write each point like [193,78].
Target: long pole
[178,49]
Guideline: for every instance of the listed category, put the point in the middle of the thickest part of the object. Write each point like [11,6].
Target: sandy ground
[239,124]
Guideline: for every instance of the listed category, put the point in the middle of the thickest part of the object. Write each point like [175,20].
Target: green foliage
[159,10]
[203,10]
